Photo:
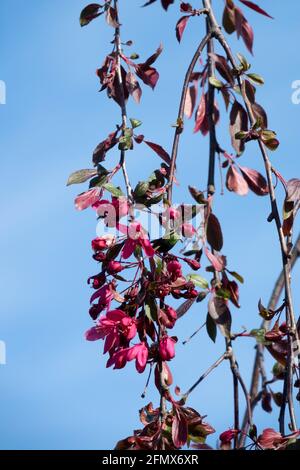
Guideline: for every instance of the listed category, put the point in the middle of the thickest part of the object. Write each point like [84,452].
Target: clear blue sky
[55,392]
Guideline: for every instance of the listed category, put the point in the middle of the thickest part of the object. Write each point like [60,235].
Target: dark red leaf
[111,17]
[244,29]
[179,429]
[180,27]
[261,114]
[235,182]
[216,261]
[190,101]
[159,150]
[200,114]
[149,75]
[220,313]
[167,3]
[154,56]
[223,68]
[257,183]
[101,150]
[238,122]
[133,87]
[214,233]
[228,20]
[256,8]
[89,13]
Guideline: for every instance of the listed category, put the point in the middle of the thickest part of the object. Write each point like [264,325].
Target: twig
[203,376]
[179,123]
[118,46]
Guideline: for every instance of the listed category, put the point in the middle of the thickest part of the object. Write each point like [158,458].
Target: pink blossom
[168,316]
[188,230]
[104,295]
[136,237]
[87,199]
[271,439]
[167,348]
[114,326]
[227,436]
[174,269]
[112,211]
[104,242]
[139,352]
[114,267]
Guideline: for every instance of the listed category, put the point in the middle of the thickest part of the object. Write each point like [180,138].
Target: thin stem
[118,46]
[203,376]
[179,123]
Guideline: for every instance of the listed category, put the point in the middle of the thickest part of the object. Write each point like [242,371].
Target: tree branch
[179,123]
[259,355]
[290,315]
[118,46]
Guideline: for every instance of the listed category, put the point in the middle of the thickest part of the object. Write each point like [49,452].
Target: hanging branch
[179,122]
[273,302]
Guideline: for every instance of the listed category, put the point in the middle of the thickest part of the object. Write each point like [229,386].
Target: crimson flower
[136,237]
[113,326]
[167,348]
[139,352]
[112,211]
[174,269]
[271,439]
[87,199]
[104,242]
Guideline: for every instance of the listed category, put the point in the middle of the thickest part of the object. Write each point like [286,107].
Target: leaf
[228,20]
[179,429]
[184,308]
[220,313]
[81,176]
[238,122]
[100,151]
[89,13]
[244,29]
[293,190]
[256,78]
[237,276]
[261,114]
[133,87]
[235,182]
[135,123]
[111,17]
[117,192]
[216,261]
[256,182]
[154,56]
[256,8]
[211,328]
[200,114]
[190,101]
[214,233]
[215,82]
[159,150]
[149,75]
[180,27]
[198,281]
[222,67]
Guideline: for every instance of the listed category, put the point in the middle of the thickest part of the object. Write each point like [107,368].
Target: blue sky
[55,392]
